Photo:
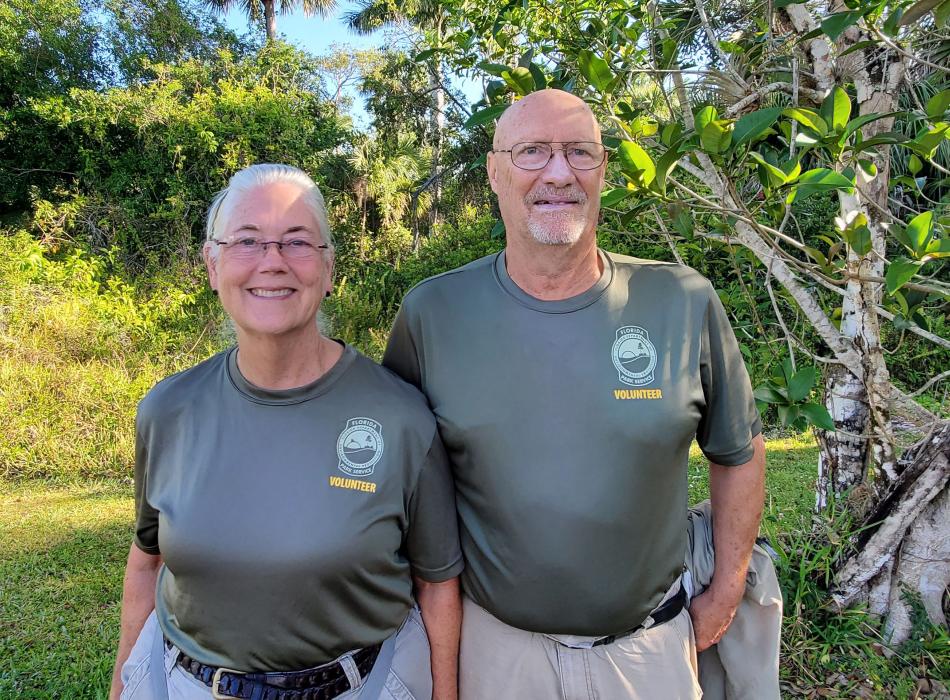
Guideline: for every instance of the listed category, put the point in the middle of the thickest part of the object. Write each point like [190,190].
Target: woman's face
[270,294]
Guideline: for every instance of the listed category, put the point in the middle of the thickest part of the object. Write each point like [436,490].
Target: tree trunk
[437,121]
[270,20]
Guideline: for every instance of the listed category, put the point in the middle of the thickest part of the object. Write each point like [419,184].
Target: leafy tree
[269,9]
[431,18]
[143,33]
[725,141]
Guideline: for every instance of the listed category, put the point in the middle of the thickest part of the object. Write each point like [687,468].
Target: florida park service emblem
[634,356]
[360,446]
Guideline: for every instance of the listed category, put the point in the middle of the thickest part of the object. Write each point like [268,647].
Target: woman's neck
[278,362]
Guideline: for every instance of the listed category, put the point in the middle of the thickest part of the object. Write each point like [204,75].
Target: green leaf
[858,122]
[825,177]
[665,165]
[888,138]
[704,116]
[595,69]
[919,231]
[836,109]
[495,69]
[423,55]
[609,198]
[938,249]
[859,238]
[498,231]
[636,163]
[918,10]
[540,80]
[899,273]
[834,25]
[801,383]
[486,115]
[913,164]
[776,176]
[938,104]
[807,118]
[787,414]
[817,415]
[869,168]
[942,13]
[755,124]
[715,137]
[769,394]
[860,46]
[519,79]
[926,143]
[785,3]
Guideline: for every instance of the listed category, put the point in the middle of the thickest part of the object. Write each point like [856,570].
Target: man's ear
[491,165]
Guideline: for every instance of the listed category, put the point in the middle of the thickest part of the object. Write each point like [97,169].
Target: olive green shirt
[289,521]
[568,425]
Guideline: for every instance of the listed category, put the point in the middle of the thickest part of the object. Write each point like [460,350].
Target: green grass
[62,555]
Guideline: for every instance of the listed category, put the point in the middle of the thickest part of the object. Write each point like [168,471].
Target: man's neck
[552,272]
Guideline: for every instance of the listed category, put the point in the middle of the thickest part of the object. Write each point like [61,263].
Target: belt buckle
[216,679]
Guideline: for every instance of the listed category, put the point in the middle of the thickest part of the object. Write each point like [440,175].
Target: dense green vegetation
[118,122]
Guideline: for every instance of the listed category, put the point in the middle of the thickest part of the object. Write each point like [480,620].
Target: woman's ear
[210,264]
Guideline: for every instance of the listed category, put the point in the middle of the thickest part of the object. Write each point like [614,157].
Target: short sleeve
[146,517]
[401,356]
[730,419]
[432,541]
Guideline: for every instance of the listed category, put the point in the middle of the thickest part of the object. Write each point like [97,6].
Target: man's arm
[138,600]
[737,495]
[441,606]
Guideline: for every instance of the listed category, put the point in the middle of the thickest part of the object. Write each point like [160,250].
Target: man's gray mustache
[540,195]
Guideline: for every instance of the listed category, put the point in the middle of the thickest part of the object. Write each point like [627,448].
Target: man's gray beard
[557,229]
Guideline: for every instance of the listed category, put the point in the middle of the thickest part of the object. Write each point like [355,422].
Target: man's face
[558,204]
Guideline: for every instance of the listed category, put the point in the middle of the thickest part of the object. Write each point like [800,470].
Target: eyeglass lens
[581,155]
[247,247]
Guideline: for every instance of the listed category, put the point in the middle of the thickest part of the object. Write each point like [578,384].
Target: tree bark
[270,20]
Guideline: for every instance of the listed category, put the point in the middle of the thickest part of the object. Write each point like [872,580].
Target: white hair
[243,181]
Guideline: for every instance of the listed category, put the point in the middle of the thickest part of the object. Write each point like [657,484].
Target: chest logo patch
[360,446]
[634,356]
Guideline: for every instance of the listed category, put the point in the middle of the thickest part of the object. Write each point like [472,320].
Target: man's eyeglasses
[252,248]
[535,155]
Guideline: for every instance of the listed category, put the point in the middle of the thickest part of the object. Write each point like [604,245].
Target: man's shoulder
[474,272]
[657,271]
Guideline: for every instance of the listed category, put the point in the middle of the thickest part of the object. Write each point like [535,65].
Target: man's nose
[558,171]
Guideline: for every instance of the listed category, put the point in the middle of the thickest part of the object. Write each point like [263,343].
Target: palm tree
[254,8]
[424,14]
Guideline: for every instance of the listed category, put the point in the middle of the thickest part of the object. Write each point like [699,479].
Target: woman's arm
[138,599]
[441,606]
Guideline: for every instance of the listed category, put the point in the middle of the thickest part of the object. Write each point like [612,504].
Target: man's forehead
[546,116]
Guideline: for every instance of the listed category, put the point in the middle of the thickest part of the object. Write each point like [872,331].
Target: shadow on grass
[60,620]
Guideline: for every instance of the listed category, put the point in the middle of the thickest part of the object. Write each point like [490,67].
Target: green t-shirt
[289,521]
[568,425]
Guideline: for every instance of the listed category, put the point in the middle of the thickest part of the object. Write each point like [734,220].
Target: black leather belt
[666,612]
[320,683]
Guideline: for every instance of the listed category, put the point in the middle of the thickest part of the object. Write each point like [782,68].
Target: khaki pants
[500,662]
[410,677]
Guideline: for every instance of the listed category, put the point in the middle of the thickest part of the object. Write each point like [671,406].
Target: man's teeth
[271,292]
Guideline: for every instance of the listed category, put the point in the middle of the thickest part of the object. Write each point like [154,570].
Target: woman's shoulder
[390,389]
[181,388]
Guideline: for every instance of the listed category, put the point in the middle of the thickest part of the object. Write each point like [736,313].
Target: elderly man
[568,384]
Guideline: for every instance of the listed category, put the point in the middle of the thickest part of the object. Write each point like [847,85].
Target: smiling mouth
[271,293]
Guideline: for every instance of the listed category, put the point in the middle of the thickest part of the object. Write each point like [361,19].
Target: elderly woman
[289,493]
